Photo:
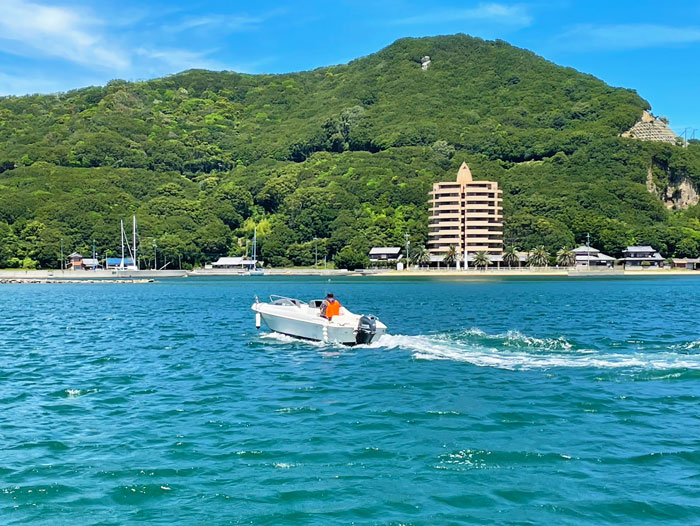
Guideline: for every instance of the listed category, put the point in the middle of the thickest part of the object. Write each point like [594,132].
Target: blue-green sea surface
[572,402]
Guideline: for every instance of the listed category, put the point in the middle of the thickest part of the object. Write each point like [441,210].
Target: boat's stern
[368,328]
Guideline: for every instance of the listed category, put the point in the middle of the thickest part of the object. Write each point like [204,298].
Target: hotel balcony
[444,241]
[447,215]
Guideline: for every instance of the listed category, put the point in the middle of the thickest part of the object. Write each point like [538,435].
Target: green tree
[687,248]
[566,257]
[450,258]
[420,256]
[351,259]
[481,259]
[510,257]
[8,244]
[538,257]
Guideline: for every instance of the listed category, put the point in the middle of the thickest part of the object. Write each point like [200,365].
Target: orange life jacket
[332,308]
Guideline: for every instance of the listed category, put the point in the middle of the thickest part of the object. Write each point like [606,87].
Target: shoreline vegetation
[66,276]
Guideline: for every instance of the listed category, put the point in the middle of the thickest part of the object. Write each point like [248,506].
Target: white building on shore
[592,257]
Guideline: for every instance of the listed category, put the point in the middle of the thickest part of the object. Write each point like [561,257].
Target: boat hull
[311,327]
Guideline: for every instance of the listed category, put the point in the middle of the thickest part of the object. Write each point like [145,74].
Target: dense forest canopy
[337,159]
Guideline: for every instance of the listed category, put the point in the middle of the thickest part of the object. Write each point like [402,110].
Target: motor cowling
[366,329]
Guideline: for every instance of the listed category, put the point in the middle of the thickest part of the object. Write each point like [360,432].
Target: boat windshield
[290,302]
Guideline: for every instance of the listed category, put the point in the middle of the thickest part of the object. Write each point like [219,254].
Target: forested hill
[345,154]
[480,96]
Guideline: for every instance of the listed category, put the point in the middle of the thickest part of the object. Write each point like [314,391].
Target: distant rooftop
[584,250]
[384,250]
[117,261]
[234,261]
[640,249]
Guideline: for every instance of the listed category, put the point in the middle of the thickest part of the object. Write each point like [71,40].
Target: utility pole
[155,255]
[94,257]
[588,246]
[316,250]
[407,243]
[61,253]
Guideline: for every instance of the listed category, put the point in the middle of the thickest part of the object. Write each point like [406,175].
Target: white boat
[303,320]
[134,258]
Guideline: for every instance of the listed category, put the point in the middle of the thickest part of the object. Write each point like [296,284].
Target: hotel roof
[464,175]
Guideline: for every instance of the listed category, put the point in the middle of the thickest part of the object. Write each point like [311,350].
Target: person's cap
[330,295]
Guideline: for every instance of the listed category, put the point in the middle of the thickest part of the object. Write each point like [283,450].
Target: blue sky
[48,46]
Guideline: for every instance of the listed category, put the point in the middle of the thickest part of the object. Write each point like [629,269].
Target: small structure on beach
[637,258]
[92,264]
[115,263]
[75,261]
[592,257]
[685,263]
[238,262]
[384,254]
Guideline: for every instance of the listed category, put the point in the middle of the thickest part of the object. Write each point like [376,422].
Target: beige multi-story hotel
[467,214]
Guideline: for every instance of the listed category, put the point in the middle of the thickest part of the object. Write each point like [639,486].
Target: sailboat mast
[136,260]
[121,223]
[255,237]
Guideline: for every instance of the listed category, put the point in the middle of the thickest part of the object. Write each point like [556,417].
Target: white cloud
[225,22]
[31,29]
[65,46]
[174,60]
[233,23]
[515,15]
[626,36]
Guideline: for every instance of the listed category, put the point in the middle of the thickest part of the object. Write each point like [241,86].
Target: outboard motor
[366,329]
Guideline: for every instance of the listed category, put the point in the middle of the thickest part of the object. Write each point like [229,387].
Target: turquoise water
[492,402]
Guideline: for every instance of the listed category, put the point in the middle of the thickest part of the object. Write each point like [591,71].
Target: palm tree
[420,256]
[481,259]
[566,257]
[451,256]
[510,257]
[539,257]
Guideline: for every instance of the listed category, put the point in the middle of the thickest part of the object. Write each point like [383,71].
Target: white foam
[283,338]
[516,351]
[74,393]
[534,353]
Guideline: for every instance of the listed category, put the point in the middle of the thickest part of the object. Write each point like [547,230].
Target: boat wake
[516,351]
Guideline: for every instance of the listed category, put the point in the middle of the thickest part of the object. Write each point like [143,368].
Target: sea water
[514,401]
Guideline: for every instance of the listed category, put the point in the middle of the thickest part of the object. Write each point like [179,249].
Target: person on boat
[330,307]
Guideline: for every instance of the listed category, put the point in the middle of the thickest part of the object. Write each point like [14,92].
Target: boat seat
[315,304]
